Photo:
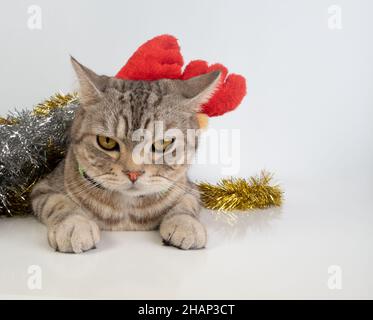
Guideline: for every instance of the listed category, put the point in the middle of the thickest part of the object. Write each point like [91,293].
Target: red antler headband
[160,58]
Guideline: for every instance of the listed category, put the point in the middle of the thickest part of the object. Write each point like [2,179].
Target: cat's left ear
[198,90]
[90,83]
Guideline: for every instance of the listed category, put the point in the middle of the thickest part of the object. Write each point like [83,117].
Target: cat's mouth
[142,188]
[133,187]
[138,188]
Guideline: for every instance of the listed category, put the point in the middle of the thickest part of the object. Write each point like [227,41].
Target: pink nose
[133,175]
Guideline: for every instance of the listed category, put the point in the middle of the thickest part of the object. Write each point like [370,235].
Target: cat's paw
[74,234]
[184,232]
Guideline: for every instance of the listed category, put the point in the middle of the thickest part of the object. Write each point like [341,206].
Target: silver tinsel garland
[32,143]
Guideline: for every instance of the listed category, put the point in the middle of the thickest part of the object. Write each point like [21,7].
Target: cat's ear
[198,90]
[90,83]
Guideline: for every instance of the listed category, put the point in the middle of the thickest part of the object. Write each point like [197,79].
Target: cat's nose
[133,175]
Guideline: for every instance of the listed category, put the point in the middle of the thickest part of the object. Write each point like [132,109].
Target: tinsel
[34,141]
[59,100]
[241,194]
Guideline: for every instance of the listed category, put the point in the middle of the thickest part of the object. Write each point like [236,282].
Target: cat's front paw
[184,232]
[74,234]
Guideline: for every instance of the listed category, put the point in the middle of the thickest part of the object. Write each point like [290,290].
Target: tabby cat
[100,186]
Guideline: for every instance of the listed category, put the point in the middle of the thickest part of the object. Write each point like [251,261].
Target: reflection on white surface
[227,227]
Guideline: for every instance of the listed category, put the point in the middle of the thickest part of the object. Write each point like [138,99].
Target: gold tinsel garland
[228,195]
[59,100]
[241,194]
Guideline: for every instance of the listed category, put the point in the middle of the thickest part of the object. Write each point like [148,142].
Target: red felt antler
[160,58]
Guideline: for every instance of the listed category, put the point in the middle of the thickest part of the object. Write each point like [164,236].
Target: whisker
[74,181]
[185,188]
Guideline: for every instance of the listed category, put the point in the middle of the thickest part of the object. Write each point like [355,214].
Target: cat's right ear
[90,83]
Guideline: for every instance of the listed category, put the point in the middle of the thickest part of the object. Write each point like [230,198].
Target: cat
[99,185]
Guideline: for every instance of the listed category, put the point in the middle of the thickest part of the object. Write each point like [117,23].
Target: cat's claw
[184,232]
[75,234]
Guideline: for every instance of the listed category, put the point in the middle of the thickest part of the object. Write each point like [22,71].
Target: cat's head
[136,137]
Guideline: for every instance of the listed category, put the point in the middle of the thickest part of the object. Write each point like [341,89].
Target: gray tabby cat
[99,186]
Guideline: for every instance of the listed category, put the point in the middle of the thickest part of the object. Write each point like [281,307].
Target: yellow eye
[162,145]
[107,143]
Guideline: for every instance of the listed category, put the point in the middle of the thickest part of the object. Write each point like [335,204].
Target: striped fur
[75,206]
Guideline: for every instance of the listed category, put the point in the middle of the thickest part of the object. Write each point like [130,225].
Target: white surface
[307,117]
[272,254]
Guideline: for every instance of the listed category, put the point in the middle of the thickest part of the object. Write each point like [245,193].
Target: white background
[307,117]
